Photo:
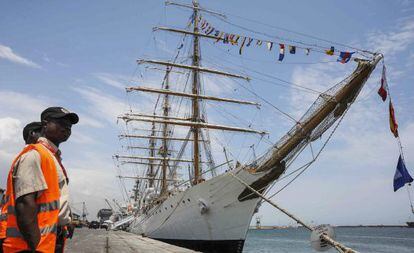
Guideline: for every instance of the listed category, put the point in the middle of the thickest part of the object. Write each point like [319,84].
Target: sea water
[361,239]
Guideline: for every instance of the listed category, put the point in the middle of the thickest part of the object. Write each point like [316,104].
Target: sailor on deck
[37,189]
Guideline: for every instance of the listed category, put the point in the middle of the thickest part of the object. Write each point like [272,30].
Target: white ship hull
[222,228]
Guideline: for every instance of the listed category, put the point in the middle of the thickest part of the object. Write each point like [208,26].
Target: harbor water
[361,239]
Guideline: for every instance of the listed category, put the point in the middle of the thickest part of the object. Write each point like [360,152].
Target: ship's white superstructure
[209,211]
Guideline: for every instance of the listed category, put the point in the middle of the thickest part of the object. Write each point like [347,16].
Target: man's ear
[44,124]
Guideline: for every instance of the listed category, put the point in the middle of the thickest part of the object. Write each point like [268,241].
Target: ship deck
[102,241]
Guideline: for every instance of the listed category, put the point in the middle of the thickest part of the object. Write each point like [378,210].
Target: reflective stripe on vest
[43,207]
[4,200]
[3,215]
[15,233]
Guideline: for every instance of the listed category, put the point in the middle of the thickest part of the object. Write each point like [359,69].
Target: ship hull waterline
[207,217]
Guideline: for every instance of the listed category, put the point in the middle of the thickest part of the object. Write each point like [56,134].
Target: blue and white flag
[401,176]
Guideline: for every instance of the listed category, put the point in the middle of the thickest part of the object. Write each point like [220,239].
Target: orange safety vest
[3,216]
[4,205]
[48,207]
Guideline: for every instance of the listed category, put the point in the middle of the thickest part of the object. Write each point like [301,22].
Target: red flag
[393,122]
[384,86]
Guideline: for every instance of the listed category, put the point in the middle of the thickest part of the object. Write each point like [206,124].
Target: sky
[81,55]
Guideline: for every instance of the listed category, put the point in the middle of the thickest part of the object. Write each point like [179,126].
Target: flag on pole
[249,42]
[344,57]
[281,52]
[242,45]
[192,18]
[292,49]
[231,38]
[384,85]
[236,40]
[330,51]
[393,121]
[401,176]
[205,25]
[269,45]
[210,31]
[219,37]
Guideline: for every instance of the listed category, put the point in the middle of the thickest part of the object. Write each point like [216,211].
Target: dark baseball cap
[33,126]
[59,112]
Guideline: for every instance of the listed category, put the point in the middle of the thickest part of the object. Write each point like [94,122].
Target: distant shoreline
[342,226]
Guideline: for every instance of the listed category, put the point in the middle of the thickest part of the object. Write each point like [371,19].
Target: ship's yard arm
[334,106]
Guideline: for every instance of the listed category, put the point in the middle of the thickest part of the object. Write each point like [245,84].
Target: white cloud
[9,129]
[102,105]
[319,78]
[92,187]
[88,120]
[14,115]
[8,54]
[10,140]
[357,166]
[11,104]
[116,81]
[393,42]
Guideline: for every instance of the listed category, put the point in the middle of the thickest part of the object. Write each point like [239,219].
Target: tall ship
[182,195]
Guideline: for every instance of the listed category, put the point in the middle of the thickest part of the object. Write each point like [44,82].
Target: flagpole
[389,95]
[409,198]
[400,147]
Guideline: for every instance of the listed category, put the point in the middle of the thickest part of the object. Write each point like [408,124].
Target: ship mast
[152,154]
[164,147]
[135,190]
[195,91]
[195,122]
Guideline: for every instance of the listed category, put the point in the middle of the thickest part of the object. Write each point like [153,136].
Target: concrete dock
[102,241]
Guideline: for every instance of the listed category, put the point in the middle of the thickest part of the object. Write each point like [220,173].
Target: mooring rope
[338,246]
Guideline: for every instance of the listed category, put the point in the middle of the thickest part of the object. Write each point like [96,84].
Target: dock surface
[102,241]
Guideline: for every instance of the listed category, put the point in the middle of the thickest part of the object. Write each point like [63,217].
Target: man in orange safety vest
[37,189]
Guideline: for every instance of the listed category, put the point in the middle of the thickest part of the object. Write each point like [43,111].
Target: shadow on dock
[102,241]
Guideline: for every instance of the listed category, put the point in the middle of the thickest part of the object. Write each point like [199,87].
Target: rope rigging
[260,76]
[314,158]
[302,168]
[362,51]
[223,17]
[400,147]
